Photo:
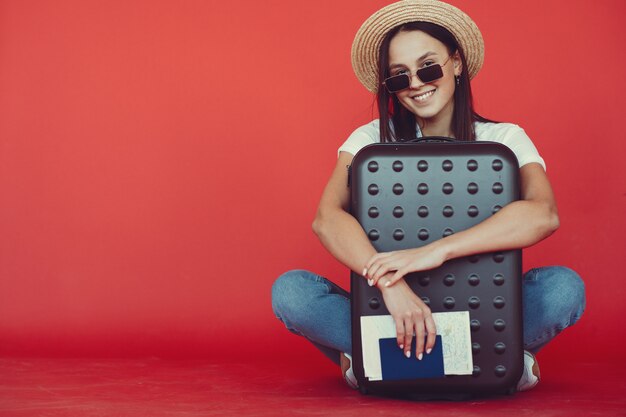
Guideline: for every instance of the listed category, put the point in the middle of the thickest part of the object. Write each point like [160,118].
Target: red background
[161,163]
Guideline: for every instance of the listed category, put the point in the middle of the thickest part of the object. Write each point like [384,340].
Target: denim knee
[565,292]
[554,299]
[573,286]
[315,308]
[288,291]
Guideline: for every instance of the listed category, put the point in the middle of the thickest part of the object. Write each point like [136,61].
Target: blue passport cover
[397,366]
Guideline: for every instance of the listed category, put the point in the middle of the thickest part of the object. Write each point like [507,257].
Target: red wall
[161,162]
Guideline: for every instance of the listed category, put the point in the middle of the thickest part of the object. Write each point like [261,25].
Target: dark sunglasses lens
[397,83]
[431,73]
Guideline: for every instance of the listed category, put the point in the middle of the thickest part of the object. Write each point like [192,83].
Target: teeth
[424,96]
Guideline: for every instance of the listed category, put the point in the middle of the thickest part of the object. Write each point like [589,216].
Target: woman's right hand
[411,316]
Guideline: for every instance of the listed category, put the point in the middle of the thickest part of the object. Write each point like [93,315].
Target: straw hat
[366,45]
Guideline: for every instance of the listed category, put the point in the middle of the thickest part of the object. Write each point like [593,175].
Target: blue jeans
[311,306]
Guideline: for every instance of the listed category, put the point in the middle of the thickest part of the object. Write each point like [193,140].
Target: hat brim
[366,45]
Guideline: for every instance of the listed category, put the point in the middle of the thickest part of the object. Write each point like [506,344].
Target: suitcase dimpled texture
[407,195]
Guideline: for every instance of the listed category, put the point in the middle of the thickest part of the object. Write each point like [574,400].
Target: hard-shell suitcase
[407,195]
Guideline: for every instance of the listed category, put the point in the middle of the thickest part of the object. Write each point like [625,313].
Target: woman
[418,57]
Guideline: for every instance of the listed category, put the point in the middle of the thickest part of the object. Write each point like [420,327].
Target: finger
[399,332]
[419,334]
[374,258]
[383,281]
[381,270]
[390,264]
[371,271]
[397,276]
[408,336]
[368,265]
[432,333]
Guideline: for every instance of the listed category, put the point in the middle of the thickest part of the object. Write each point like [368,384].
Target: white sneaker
[530,378]
[346,369]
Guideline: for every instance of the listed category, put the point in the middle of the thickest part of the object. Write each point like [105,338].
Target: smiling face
[431,103]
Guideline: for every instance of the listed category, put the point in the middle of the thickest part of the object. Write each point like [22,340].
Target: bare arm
[518,225]
[342,235]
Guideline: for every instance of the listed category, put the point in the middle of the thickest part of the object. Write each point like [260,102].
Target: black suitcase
[406,195]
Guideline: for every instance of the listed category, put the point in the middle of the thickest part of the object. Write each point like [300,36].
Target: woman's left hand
[404,262]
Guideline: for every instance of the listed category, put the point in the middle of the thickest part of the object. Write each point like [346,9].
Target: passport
[396,366]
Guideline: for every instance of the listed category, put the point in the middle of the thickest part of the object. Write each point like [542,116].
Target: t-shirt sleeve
[523,147]
[360,138]
[515,138]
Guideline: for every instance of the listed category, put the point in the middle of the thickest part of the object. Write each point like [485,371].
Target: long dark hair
[403,121]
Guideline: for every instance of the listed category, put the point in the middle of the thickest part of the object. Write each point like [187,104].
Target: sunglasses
[426,75]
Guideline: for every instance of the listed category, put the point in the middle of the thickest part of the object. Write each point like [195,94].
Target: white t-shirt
[507,134]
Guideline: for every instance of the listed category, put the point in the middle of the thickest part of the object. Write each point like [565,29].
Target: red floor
[153,387]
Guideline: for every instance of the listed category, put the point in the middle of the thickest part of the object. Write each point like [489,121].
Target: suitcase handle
[424,139]
[428,139]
